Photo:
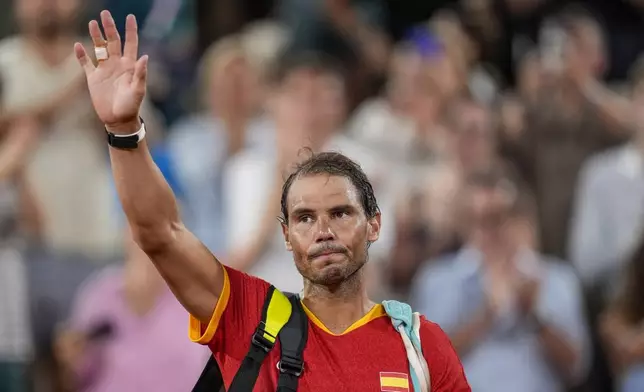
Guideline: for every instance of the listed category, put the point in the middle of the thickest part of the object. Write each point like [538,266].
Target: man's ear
[287,240]
[373,228]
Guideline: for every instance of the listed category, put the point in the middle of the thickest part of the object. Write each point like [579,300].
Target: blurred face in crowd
[488,224]
[47,18]
[311,105]
[475,136]
[327,229]
[404,76]
[586,51]
[232,86]
[412,87]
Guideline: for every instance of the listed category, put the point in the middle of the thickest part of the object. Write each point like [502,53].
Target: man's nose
[323,231]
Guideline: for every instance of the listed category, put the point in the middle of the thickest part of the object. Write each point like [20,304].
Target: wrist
[124,128]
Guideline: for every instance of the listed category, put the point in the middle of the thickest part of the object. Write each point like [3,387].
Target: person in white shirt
[307,106]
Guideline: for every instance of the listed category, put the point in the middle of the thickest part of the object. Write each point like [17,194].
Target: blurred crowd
[504,140]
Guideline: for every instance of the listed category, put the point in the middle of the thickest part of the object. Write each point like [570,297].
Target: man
[573,116]
[607,220]
[203,144]
[329,219]
[515,316]
[307,107]
[42,81]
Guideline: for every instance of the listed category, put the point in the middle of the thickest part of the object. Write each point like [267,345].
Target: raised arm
[117,87]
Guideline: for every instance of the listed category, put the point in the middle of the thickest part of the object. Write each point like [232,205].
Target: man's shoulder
[236,279]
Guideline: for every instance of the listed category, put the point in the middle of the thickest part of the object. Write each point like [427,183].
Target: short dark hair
[290,61]
[334,164]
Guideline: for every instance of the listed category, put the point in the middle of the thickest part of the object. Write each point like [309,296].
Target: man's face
[488,215]
[327,231]
[47,18]
[475,137]
[232,87]
[310,102]
[586,51]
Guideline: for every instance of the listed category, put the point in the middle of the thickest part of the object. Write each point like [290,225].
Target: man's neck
[338,307]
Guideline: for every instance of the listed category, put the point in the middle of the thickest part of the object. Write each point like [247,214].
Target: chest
[28,80]
[354,362]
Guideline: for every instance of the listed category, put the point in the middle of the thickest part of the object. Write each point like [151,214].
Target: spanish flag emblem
[394,382]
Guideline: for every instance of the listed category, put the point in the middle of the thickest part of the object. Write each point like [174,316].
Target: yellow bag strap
[277,310]
[275,314]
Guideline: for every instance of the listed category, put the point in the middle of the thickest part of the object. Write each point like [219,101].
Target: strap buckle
[260,341]
[290,365]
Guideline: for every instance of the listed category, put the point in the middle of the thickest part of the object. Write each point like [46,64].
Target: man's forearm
[616,110]
[559,350]
[146,197]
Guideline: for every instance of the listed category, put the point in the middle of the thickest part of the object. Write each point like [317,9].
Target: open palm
[117,84]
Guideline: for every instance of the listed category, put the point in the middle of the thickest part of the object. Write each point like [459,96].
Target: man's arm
[191,271]
[117,86]
[616,111]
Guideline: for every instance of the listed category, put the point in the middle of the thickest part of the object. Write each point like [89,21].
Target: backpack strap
[282,317]
[210,379]
[292,338]
[408,325]
[277,310]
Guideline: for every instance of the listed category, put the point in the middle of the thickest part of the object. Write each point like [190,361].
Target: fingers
[131,48]
[112,34]
[83,58]
[140,74]
[95,33]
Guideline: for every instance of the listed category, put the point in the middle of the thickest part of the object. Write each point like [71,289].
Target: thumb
[140,74]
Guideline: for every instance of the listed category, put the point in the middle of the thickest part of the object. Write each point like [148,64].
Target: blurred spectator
[605,231]
[230,121]
[405,123]
[515,316]
[622,326]
[43,80]
[125,333]
[17,214]
[573,117]
[308,108]
[351,31]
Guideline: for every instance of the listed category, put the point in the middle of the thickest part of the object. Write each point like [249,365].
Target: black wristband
[129,142]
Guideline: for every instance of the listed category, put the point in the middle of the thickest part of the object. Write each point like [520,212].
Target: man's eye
[306,219]
[340,214]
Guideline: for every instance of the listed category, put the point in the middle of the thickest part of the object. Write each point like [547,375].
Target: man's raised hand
[117,84]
